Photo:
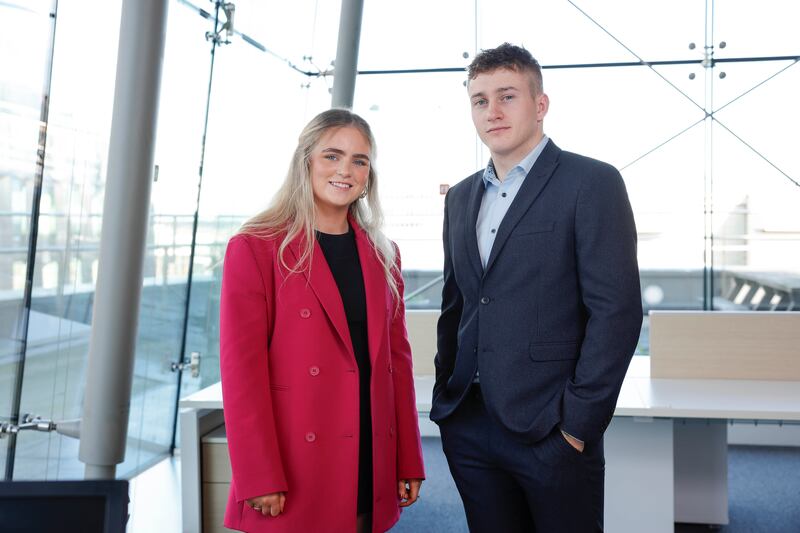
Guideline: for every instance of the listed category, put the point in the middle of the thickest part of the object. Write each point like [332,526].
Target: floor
[156,499]
[764,483]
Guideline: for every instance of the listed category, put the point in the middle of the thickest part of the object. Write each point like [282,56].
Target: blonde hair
[292,213]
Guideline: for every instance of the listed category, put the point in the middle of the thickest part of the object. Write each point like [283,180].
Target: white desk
[666,449]
[685,447]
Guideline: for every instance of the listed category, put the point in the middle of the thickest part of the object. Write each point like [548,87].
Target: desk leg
[701,471]
[191,510]
[194,423]
[639,476]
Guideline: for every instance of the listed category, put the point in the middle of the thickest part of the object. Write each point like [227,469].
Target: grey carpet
[763,487]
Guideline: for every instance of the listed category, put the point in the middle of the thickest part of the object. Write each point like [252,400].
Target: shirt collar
[490,176]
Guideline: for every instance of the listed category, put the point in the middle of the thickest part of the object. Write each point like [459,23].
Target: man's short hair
[510,57]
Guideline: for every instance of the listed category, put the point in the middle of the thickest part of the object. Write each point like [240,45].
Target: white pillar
[112,347]
[346,64]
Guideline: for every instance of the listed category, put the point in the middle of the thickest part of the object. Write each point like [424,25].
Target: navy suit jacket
[553,320]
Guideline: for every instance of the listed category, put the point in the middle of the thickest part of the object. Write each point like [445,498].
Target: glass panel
[614,114]
[417,34]
[627,119]
[767,116]
[67,254]
[425,140]
[585,32]
[24,52]
[68,236]
[756,194]
[258,106]
[182,105]
[647,122]
[304,32]
[633,119]
[770,30]
[750,81]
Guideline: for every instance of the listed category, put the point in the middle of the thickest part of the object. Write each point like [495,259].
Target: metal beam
[344,70]
[109,377]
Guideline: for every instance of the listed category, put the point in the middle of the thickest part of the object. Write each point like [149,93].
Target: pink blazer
[290,391]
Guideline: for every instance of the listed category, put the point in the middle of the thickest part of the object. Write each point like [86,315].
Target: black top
[341,254]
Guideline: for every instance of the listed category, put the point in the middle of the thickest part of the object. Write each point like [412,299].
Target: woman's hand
[269,504]
[408,490]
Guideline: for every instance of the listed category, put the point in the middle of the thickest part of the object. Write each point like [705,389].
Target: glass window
[259,105]
[416,35]
[66,253]
[182,106]
[24,55]
[425,140]
[563,33]
[769,30]
[275,73]
[757,189]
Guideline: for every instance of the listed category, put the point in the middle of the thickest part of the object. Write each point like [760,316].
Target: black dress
[341,254]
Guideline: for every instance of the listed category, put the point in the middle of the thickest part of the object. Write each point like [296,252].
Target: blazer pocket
[538,227]
[281,388]
[554,351]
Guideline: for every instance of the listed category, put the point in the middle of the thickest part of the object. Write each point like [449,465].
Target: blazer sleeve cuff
[245,491]
[582,421]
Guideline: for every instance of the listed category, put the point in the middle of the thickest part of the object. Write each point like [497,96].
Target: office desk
[666,449]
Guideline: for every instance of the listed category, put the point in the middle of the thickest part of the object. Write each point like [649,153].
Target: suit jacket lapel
[533,185]
[324,286]
[471,233]
[375,290]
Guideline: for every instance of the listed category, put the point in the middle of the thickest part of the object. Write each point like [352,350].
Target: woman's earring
[363,193]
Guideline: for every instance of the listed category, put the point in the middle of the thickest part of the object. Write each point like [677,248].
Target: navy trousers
[508,486]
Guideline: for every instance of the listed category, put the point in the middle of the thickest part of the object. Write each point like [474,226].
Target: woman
[316,366]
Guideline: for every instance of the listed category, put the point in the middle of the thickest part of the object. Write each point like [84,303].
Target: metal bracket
[192,363]
[708,60]
[230,10]
[29,422]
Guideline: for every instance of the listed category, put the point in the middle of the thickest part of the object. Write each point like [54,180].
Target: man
[541,312]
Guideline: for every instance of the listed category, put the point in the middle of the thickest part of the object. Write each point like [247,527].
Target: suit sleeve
[409,445]
[244,326]
[608,274]
[450,318]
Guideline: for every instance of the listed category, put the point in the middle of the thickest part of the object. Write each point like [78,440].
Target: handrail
[424,288]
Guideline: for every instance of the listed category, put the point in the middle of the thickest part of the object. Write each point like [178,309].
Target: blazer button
[314,371]
[390,369]
[485,300]
[305,313]
[391,432]
[310,436]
